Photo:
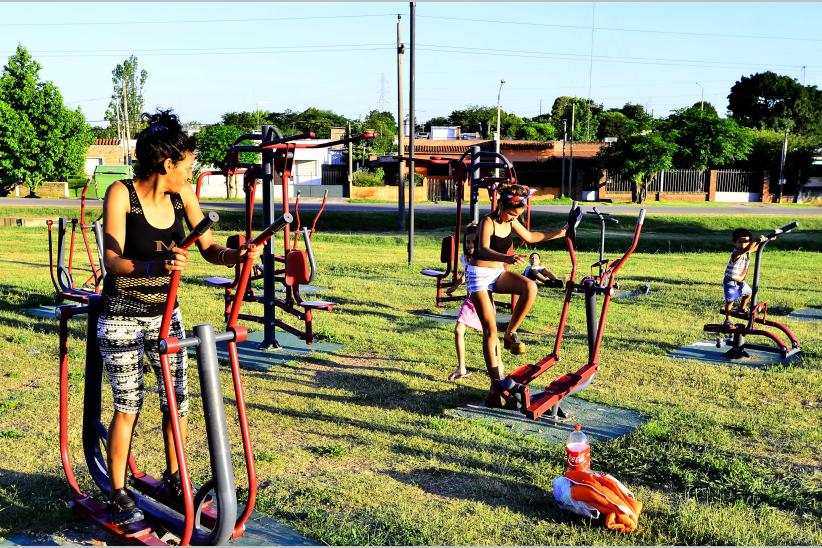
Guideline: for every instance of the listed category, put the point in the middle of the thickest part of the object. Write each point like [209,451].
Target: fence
[734,180]
[673,181]
[441,189]
[334,174]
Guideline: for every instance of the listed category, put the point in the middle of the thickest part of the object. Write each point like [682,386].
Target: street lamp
[701,97]
[499,132]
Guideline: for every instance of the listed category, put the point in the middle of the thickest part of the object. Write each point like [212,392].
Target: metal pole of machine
[571,159]
[782,167]
[412,125]
[562,177]
[400,129]
[499,130]
[269,335]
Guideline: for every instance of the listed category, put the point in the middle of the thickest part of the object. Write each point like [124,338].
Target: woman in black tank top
[143,222]
[486,272]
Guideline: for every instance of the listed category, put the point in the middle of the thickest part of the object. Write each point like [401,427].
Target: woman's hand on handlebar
[177,260]
[249,251]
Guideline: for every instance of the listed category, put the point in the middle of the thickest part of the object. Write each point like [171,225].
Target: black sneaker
[122,508]
[172,487]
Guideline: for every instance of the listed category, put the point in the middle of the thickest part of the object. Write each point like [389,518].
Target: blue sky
[204,59]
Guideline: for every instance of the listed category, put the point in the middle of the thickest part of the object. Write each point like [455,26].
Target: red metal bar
[317,216]
[782,327]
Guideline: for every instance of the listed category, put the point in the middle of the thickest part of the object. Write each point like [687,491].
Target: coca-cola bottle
[578,450]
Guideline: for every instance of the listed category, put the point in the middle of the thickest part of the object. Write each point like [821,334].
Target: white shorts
[481,278]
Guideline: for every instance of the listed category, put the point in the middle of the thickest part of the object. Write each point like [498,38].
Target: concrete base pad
[48,312]
[260,531]
[251,357]
[806,314]
[706,351]
[305,290]
[600,422]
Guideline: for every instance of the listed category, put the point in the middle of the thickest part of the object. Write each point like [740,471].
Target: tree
[385,125]
[637,114]
[704,140]
[615,124]
[585,124]
[437,121]
[766,154]
[639,157]
[129,73]
[212,145]
[536,131]
[770,101]
[38,134]
[475,119]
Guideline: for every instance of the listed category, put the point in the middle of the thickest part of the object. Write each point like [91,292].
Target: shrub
[369,178]
[417,179]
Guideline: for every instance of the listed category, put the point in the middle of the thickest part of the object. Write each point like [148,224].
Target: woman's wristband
[148,270]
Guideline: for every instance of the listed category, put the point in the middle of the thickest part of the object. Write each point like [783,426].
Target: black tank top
[499,244]
[139,295]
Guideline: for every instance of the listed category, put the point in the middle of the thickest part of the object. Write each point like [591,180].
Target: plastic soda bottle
[578,450]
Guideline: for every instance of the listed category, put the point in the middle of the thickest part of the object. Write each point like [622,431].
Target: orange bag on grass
[595,494]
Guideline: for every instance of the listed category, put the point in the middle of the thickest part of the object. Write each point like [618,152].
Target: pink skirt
[468,315]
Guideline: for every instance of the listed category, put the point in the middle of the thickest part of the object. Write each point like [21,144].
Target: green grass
[356,448]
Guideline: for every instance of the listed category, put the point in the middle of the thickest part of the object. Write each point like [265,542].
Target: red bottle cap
[577,426]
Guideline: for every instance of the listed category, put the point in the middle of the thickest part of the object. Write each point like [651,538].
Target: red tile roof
[107,142]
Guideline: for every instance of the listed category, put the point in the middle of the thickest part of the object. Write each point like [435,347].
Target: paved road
[312,204]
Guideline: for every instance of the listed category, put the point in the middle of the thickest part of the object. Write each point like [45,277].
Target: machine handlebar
[276,226]
[211,218]
[641,219]
[783,230]
[603,216]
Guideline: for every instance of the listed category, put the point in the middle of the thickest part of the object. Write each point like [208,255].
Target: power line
[619,29]
[192,21]
[173,52]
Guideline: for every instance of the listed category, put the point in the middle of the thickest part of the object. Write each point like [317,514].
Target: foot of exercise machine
[756,319]
[208,515]
[514,391]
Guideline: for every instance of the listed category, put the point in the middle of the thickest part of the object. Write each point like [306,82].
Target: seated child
[734,282]
[535,271]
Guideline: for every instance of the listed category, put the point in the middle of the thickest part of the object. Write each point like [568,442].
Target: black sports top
[139,295]
[498,243]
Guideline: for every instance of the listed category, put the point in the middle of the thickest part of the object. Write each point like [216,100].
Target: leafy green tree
[585,123]
[766,154]
[135,79]
[637,114]
[385,126]
[639,157]
[246,122]
[437,121]
[212,145]
[704,140]
[615,124]
[536,131]
[475,119]
[771,101]
[38,134]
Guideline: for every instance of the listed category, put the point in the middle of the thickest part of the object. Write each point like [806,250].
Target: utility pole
[125,110]
[400,129]
[564,138]
[590,68]
[571,160]
[350,159]
[120,135]
[782,167]
[412,129]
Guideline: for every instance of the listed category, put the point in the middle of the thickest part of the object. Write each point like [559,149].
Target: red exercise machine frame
[756,316]
[515,388]
[199,510]
[62,274]
[298,266]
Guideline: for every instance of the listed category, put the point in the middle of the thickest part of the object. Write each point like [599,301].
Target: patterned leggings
[123,341]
